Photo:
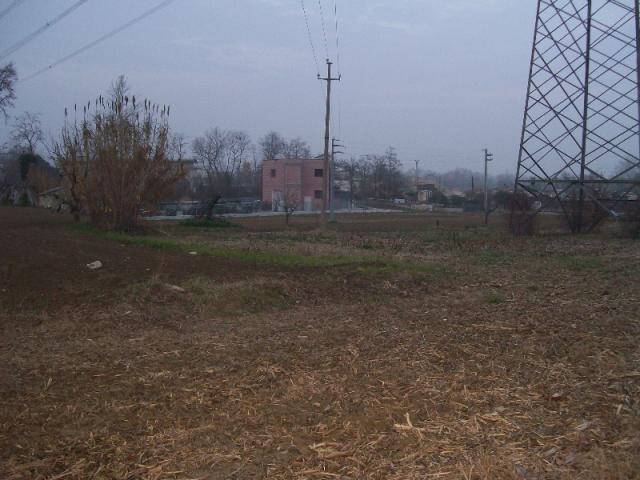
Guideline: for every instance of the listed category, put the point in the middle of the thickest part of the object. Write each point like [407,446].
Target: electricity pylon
[580,144]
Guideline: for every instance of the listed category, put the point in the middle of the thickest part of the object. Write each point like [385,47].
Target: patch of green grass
[296,237]
[367,245]
[494,299]
[492,257]
[414,272]
[236,298]
[215,298]
[372,264]
[582,264]
[207,223]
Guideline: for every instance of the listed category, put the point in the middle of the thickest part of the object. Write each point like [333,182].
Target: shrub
[118,159]
[630,221]
[23,201]
[207,223]
[521,220]
[591,215]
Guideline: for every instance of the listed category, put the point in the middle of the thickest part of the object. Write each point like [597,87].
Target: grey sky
[437,79]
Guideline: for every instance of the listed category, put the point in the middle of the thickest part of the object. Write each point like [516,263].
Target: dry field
[386,347]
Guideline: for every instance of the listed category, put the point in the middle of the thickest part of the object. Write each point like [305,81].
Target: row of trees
[228,164]
[273,146]
[122,157]
[21,166]
[373,176]
[381,176]
[119,158]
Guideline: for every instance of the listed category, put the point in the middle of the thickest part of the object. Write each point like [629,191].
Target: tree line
[228,163]
[117,155]
[373,176]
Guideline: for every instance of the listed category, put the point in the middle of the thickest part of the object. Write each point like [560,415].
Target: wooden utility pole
[487,158]
[327,125]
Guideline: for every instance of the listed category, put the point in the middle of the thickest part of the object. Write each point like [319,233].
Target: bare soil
[521,360]
[44,263]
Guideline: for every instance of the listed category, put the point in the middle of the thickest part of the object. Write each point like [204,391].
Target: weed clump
[493,299]
[630,222]
[520,218]
[207,223]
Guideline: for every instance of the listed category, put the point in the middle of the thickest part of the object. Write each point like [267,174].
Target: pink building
[296,182]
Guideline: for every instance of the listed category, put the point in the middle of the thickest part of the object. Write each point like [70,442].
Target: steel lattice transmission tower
[580,145]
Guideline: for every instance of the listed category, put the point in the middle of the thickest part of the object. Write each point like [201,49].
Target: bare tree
[379,170]
[393,177]
[220,154]
[272,145]
[290,205]
[379,176]
[249,181]
[118,159]
[178,146]
[297,148]
[364,171]
[239,145]
[27,132]
[208,150]
[8,78]
[349,168]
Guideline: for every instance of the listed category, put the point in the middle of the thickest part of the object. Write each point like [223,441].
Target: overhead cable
[313,48]
[21,43]
[324,28]
[101,39]
[335,13]
[11,6]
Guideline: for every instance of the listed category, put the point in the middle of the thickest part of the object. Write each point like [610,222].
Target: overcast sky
[437,79]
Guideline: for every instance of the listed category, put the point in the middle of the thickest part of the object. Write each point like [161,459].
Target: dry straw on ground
[521,361]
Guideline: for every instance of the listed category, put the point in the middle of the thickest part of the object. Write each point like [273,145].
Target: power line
[335,13]
[112,33]
[313,48]
[339,91]
[11,6]
[21,43]
[324,28]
